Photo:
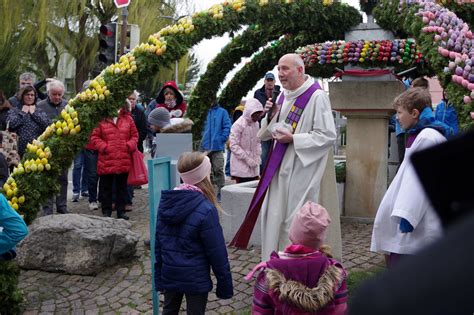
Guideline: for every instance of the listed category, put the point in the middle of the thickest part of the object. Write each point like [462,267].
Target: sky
[208,49]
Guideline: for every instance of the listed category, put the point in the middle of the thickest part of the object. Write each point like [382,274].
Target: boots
[121,213]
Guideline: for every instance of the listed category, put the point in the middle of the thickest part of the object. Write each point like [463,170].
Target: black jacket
[140,122]
[262,97]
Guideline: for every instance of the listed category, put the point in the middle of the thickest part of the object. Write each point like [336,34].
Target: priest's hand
[282,135]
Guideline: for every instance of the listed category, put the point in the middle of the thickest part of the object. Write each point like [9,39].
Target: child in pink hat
[303,279]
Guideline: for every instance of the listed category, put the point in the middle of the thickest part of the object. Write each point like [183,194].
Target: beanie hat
[309,225]
[160,117]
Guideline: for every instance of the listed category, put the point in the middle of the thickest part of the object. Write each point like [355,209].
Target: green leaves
[304,21]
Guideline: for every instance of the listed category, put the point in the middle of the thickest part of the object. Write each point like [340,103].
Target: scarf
[427,120]
[170,103]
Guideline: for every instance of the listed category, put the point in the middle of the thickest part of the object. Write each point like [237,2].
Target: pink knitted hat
[309,225]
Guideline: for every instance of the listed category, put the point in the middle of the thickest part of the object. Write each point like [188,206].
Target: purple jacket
[300,281]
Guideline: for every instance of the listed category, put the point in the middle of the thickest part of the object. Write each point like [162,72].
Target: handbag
[9,146]
[138,174]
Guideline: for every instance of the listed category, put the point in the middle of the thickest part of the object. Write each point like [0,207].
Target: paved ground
[126,289]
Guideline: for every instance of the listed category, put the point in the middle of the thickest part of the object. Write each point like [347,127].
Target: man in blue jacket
[215,134]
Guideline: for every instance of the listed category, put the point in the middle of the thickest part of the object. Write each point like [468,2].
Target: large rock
[76,244]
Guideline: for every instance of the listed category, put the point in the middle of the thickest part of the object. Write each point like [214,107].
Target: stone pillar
[367,106]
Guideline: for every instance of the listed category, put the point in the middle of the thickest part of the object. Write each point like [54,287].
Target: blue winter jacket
[216,130]
[189,241]
[447,115]
[13,227]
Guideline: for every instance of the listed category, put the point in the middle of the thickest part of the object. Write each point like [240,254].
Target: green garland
[265,60]
[302,18]
[10,295]
[205,91]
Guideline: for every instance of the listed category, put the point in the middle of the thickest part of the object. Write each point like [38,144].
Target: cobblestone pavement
[126,289]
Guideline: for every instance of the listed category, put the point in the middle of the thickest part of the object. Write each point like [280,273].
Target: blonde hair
[189,161]
[413,98]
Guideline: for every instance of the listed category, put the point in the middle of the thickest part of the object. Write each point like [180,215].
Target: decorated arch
[271,28]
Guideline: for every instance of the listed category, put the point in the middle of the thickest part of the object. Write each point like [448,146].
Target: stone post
[367,104]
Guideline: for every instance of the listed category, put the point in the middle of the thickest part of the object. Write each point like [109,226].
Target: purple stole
[242,237]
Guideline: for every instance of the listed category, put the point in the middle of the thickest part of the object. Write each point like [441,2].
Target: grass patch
[356,278]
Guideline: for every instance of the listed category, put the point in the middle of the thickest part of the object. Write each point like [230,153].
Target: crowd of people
[283,138]
[100,169]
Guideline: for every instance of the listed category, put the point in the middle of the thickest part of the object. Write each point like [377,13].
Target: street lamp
[174,19]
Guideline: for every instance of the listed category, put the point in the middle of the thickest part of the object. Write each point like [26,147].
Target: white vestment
[299,177]
[405,198]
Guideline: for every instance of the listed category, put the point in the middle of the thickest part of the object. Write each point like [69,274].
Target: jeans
[130,195]
[106,189]
[227,163]
[217,170]
[61,199]
[79,174]
[195,303]
[90,159]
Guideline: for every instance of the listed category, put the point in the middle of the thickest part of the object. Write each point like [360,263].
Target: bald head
[291,71]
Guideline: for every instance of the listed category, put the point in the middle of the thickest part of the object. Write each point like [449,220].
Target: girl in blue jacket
[189,240]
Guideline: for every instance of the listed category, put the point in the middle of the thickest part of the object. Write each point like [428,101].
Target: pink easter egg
[469,34]
[425,20]
[437,38]
[465,83]
[470,86]
[445,52]
[467,99]
[451,54]
[472,115]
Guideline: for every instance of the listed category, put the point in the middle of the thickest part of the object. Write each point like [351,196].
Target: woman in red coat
[115,139]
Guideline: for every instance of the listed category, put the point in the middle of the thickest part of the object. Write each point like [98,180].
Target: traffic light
[108,43]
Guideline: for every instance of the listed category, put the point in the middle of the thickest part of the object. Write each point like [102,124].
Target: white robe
[299,177]
[405,198]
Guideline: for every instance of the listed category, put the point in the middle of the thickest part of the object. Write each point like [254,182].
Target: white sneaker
[93,206]
[75,197]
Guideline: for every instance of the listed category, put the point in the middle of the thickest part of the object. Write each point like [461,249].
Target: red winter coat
[115,143]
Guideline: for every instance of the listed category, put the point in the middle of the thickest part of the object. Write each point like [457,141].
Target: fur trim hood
[184,126]
[301,296]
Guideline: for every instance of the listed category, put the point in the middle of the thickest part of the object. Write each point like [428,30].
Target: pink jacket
[244,143]
[299,281]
